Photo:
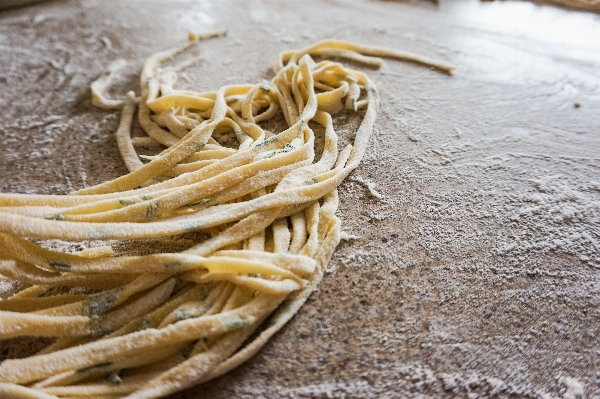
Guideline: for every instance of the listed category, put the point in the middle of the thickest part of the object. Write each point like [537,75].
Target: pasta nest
[156,323]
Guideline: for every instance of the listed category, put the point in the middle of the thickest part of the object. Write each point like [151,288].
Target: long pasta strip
[30,274]
[36,367]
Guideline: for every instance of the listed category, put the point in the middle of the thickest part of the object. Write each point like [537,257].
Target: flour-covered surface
[471,259]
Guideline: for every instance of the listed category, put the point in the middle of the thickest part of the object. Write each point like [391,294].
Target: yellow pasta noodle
[261,211]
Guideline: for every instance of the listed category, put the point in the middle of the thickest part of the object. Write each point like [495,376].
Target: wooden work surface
[476,273]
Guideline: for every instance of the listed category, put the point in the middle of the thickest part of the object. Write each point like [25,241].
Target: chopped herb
[311,181]
[288,147]
[201,202]
[265,88]
[172,265]
[145,324]
[300,127]
[198,146]
[58,216]
[114,377]
[145,198]
[126,202]
[101,307]
[252,275]
[234,324]
[102,301]
[373,92]
[152,210]
[181,315]
[63,267]
[268,141]
[95,366]
[187,351]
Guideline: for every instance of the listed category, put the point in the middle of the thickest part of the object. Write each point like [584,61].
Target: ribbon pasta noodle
[158,323]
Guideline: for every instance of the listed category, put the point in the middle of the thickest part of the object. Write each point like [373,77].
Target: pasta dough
[158,323]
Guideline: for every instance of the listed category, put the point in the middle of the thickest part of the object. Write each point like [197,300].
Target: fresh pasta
[153,324]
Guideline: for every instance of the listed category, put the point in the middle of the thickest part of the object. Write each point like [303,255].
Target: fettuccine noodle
[158,323]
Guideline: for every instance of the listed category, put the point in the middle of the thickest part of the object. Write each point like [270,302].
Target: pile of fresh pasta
[149,325]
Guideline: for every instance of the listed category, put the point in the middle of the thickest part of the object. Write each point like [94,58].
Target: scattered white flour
[449,382]
[574,389]
[39,18]
[370,186]
[106,41]
[565,213]
[412,131]
[348,236]
[328,390]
